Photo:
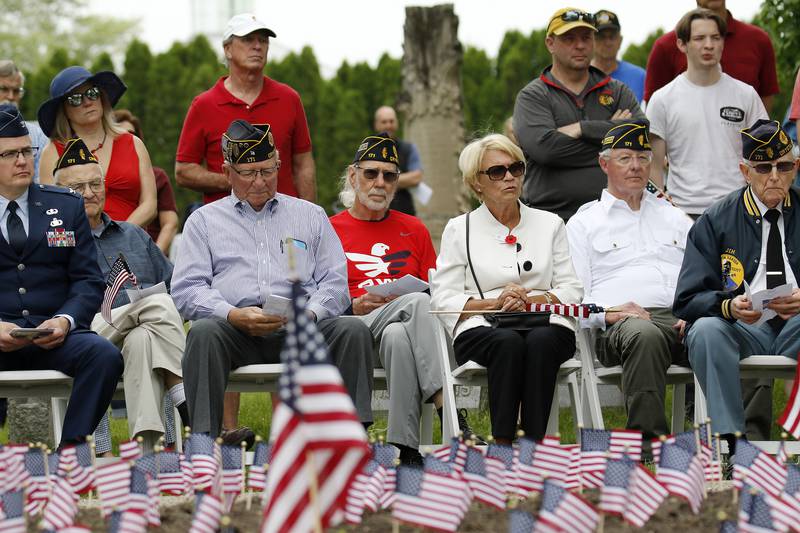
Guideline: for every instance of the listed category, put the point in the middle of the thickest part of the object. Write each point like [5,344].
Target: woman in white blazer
[519,256]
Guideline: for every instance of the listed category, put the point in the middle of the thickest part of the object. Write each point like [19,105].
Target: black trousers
[522,367]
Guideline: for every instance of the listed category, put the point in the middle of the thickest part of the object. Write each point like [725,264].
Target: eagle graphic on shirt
[378,262]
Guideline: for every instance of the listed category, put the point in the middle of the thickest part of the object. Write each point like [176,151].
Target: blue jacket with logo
[723,249]
[48,280]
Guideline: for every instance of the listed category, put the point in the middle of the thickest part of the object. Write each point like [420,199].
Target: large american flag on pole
[318,442]
[119,274]
[790,419]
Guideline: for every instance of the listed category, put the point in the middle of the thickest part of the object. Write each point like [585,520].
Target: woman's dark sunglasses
[372,174]
[76,99]
[498,172]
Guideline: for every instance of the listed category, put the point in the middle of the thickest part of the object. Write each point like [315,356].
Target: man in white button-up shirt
[627,249]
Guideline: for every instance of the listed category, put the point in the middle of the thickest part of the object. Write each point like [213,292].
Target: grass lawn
[255,411]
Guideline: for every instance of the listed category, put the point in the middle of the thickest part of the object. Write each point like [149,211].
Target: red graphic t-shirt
[383,250]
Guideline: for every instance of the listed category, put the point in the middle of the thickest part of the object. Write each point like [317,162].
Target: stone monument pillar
[431,103]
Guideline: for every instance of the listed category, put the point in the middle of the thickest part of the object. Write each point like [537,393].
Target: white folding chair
[755,366]
[593,374]
[473,374]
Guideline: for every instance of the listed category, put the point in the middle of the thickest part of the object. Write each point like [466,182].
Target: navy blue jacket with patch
[46,281]
[723,249]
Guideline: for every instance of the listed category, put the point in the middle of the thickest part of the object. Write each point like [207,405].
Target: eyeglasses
[16,91]
[498,172]
[575,15]
[627,160]
[265,173]
[372,174]
[94,186]
[766,168]
[76,99]
[12,155]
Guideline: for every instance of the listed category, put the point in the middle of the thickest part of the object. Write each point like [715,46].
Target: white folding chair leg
[575,400]
[449,416]
[678,407]
[700,409]
[178,430]
[552,420]
[590,399]
[59,410]
[426,425]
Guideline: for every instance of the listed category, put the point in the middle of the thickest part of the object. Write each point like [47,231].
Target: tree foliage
[781,19]
[638,53]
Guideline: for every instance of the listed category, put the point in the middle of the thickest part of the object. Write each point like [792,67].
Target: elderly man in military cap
[149,330]
[627,248]
[236,262]
[51,284]
[741,245]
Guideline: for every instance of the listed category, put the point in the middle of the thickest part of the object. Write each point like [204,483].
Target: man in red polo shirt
[245,94]
[748,56]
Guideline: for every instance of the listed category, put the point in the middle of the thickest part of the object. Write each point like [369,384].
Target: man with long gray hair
[383,245]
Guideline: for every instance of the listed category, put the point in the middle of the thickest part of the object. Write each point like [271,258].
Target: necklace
[105,135]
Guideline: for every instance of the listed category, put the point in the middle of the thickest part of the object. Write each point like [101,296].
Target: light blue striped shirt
[232,256]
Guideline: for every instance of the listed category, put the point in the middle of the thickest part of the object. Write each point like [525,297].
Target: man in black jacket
[742,245]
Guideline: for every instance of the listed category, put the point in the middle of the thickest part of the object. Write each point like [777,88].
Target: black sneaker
[466,430]
[234,437]
[411,457]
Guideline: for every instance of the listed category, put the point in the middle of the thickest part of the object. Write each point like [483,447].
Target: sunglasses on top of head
[76,99]
[574,15]
[498,172]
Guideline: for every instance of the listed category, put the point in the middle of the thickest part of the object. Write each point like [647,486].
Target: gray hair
[225,43]
[347,194]
[8,68]
[605,154]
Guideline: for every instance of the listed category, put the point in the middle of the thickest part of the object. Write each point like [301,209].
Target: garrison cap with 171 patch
[765,141]
[247,143]
[633,135]
[379,147]
[75,153]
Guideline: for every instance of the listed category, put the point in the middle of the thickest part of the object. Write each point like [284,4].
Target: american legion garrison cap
[247,143]
[75,153]
[11,122]
[379,147]
[633,135]
[764,141]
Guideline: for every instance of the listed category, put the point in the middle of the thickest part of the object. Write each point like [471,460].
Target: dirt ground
[673,515]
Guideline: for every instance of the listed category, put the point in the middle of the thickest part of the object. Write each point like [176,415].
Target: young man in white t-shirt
[695,119]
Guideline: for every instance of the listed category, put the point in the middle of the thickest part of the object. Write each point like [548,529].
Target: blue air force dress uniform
[48,268]
[724,250]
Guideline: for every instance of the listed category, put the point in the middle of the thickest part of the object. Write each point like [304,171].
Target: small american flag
[520,521]
[129,450]
[792,488]
[257,476]
[315,432]
[455,452]
[60,511]
[487,483]
[713,467]
[573,480]
[13,474]
[434,497]
[37,491]
[564,511]
[232,478]
[616,485]
[205,458]
[528,477]
[138,500]
[688,441]
[119,274]
[790,418]
[572,310]
[207,515]
[75,463]
[170,477]
[113,483]
[761,469]
[681,473]
[597,444]
[755,514]
[13,516]
[356,494]
[500,457]
[647,494]
[384,455]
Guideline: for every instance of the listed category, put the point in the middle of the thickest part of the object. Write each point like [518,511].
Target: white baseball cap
[243,24]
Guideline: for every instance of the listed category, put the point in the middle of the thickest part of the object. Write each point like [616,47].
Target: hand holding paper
[405,285]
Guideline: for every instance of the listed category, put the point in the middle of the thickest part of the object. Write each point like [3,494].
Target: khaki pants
[150,335]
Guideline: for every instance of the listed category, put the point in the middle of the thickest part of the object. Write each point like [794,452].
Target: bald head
[386,120]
